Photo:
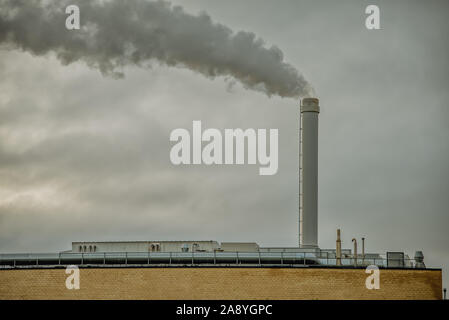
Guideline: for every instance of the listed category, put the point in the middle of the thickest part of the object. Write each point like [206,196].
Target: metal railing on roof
[190,259]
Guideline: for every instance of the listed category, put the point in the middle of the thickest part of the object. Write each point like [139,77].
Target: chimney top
[310,105]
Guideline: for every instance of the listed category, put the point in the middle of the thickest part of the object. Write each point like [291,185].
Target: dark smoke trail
[117,33]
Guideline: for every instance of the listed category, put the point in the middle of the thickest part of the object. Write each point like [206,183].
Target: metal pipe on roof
[363,250]
[355,251]
[338,249]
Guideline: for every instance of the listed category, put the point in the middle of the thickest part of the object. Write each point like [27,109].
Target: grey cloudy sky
[85,157]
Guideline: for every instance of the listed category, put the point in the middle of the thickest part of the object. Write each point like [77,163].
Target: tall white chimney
[308,174]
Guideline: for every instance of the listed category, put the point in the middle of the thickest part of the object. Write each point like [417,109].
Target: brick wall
[219,283]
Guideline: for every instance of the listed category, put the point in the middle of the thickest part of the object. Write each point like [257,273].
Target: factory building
[208,269]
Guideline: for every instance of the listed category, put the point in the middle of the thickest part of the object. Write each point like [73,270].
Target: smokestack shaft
[308,202]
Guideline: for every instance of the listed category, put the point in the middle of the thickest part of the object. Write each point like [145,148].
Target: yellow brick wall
[219,283]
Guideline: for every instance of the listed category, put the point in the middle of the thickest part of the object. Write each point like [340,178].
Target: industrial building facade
[220,283]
